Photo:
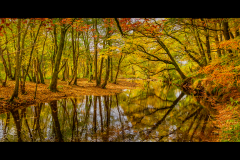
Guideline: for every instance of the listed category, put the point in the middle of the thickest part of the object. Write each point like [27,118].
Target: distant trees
[101,49]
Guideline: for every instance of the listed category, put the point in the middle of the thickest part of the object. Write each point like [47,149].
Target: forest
[43,60]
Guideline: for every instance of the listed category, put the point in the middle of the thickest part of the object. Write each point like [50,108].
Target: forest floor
[45,95]
[227,118]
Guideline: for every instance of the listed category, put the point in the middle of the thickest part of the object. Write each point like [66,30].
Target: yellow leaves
[114,49]
[79,21]
[109,51]
[115,37]
[103,56]
[237,67]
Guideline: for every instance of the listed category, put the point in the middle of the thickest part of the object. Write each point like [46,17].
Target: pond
[156,113]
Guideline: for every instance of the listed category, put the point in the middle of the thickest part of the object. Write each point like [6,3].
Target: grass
[231,129]
[231,133]
[48,77]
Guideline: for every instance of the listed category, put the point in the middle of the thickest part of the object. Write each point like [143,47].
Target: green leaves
[54,20]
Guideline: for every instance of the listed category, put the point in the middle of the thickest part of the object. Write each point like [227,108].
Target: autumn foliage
[55,51]
[220,75]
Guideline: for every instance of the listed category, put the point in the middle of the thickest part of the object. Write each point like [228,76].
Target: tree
[15,92]
[63,30]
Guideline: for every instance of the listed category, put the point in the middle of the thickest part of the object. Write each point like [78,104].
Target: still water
[156,113]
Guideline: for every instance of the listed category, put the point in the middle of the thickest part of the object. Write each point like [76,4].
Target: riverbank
[225,102]
[45,95]
[227,119]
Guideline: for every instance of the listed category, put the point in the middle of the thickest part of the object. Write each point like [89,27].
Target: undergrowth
[220,78]
[231,130]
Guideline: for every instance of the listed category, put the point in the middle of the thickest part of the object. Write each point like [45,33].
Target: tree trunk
[199,42]
[95,64]
[74,73]
[90,72]
[67,71]
[41,63]
[9,62]
[32,72]
[55,46]
[107,72]
[172,59]
[217,41]
[100,72]
[64,73]
[226,33]
[206,32]
[208,46]
[221,37]
[96,39]
[111,69]
[5,67]
[15,92]
[53,84]
[236,30]
[30,79]
[87,68]
[41,75]
[36,73]
[29,61]
[226,30]
[118,67]
[10,68]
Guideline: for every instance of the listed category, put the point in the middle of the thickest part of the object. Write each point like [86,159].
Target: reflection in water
[155,113]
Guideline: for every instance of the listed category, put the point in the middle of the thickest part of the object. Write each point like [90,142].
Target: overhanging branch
[118,25]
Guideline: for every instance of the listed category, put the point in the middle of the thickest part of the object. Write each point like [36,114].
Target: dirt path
[227,115]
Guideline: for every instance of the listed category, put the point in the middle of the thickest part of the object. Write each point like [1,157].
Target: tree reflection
[154,113]
[54,109]
[15,114]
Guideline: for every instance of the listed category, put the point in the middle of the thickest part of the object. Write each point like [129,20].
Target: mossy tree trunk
[53,84]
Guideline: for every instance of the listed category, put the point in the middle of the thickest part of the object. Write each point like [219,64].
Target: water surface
[156,113]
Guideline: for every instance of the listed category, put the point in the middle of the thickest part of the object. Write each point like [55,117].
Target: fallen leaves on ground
[45,95]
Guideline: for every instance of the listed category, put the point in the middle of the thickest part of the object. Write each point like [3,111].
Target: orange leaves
[41,19]
[1,27]
[79,21]
[3,20]
[108,22]
[128,24]
[232,44]
[220,75]
[24,21]
[66,21]
[82,27]
[49,28]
